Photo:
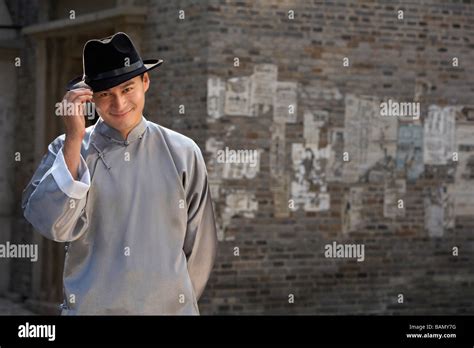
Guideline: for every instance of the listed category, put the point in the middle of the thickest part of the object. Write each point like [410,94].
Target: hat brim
[100,85]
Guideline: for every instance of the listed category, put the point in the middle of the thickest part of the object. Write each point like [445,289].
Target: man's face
[121,107]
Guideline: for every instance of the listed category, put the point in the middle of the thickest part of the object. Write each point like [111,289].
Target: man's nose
[119,103]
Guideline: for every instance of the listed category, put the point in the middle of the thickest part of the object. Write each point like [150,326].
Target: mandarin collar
[111,133]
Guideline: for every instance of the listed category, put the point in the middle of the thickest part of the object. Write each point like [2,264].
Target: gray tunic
[139,223]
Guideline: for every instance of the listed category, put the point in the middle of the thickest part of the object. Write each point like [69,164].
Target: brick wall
[272,228]
[405,60]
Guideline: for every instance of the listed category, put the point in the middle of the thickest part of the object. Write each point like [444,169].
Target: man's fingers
[71,95]
[81,99]
[81,90]
[75,106]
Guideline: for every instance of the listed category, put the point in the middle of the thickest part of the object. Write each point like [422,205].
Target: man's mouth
[120,114]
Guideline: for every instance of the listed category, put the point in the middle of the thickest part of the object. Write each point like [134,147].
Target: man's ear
[146,82]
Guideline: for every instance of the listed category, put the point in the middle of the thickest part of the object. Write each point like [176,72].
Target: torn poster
[263,88]
[335,163]
[278,173]
[438,206]
[313,122]
[285,103]
[237,203]
[214,168]
[439,133]
[242,169]
[215,98]
[237,96]
[277,150]
[225,163]
[394,190]
[214,171]
[463,189]
[352,209]
[308,187]
[321,92]
[370,139]
[410,150]
[465,114]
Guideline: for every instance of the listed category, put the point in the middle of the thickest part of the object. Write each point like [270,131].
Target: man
[130,197]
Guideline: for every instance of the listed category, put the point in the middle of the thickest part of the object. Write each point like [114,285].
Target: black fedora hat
[109,62]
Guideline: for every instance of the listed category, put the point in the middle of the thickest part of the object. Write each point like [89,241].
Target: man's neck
[125,133]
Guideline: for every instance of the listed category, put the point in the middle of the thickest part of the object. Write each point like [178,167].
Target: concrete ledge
[94,21]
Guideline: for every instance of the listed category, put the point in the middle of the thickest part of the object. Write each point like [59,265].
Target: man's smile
[121,114]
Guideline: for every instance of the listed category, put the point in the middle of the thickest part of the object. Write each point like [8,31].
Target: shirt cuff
[61,174]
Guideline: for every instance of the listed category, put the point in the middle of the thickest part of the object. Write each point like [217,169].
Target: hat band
[117,72]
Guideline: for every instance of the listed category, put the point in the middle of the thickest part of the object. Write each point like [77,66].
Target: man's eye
[128,89]
[101,95]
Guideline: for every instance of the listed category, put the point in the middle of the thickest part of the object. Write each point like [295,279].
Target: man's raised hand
[75,125]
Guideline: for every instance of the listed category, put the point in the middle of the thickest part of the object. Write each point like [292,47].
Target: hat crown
[108,54]
[110,61]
